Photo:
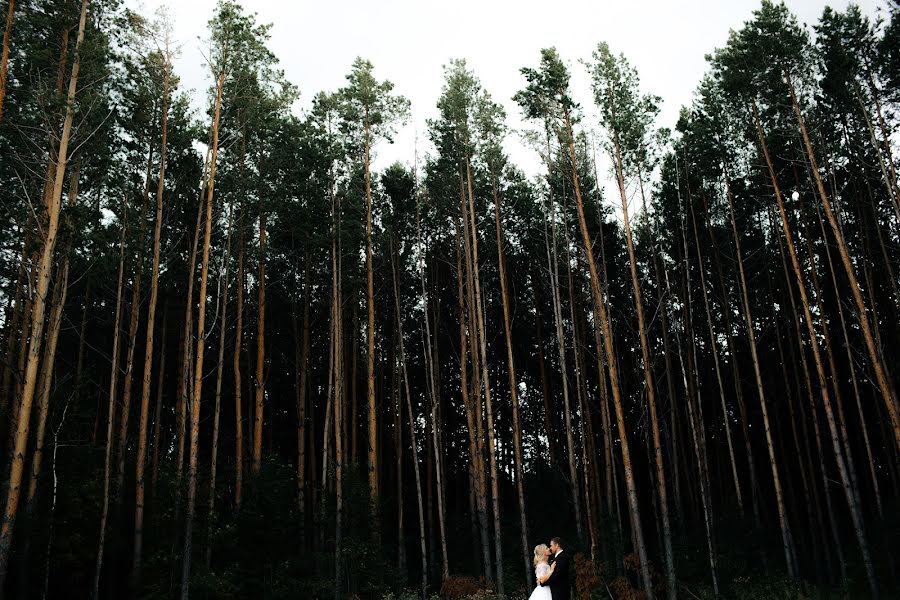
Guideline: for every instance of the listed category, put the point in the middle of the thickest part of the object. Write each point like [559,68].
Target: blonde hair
[540,554]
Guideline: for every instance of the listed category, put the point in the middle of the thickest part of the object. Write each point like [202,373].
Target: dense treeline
[239,362]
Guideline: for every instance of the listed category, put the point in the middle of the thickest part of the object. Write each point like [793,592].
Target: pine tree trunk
[852,364]
[513,389]
[855,512]
[735,365]
[111,414]
[197,392]
[303,373]
[714,347]
[472,251]
[220,368]
[338,349]
[4,58]
[42,274]
[184,375]
[606,325]
[561,347]
[260,340]
[671,584]
[236,367]
[412,426]
[128,376]
[477,468]
[432,385]
[786,538]
[48,366]
[813,411]
[157,413]
[881,375]
[13,322]
[140,459]
[695,411]
[372,448]
[542,370]
[553,265]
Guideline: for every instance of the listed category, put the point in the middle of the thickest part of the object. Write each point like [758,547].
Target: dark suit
[559,582]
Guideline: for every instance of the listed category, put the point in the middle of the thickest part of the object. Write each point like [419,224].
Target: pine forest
[240,357]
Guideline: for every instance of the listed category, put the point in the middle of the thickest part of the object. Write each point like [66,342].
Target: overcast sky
[409,41]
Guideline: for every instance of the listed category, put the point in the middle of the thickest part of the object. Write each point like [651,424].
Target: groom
[560,586]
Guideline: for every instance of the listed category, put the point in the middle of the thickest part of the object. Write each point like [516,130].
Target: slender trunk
[481,334]
[545,382]
[553,265]
[260,388]
[855,512]
[338,410]
[236,367]
[412,426]
[513,387]
[82,337]
[398,448]
[581,393]
[157,412]
[477,468]
[432,385]
[48,366]
[187,335]
[606,325]
[4,59]
[128,380]
[140,458]
[735,365]
[198,356]
[671,583]
[353,423]
[42,275]
[786,538]
[372,448]
[813,411]
[714,347]
[881,375]
[695,412]
[111,415]
[13,322]
[852,364]
[220,368]
[303,373]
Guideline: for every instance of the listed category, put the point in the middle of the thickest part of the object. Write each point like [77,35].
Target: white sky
[409,41]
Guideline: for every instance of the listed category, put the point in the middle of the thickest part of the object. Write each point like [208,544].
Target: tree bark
[472,251]
[198,357]
[220,367]
[855,512]
[140,458]
[881,374]
[786,537]
[513,387]
[412,427]
[671,583]
[42,274]
[236,366]
[111,414]
[4,59]
[606,325]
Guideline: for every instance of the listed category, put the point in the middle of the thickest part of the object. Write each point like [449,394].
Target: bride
[542,572]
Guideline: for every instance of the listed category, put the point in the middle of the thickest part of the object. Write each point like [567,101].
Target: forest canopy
[238,360]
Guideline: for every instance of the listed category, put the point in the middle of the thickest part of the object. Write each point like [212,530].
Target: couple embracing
[551,569]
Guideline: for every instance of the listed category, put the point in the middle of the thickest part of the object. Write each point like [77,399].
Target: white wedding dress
[541,592]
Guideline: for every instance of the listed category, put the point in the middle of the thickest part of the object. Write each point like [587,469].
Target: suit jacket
[559,582]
